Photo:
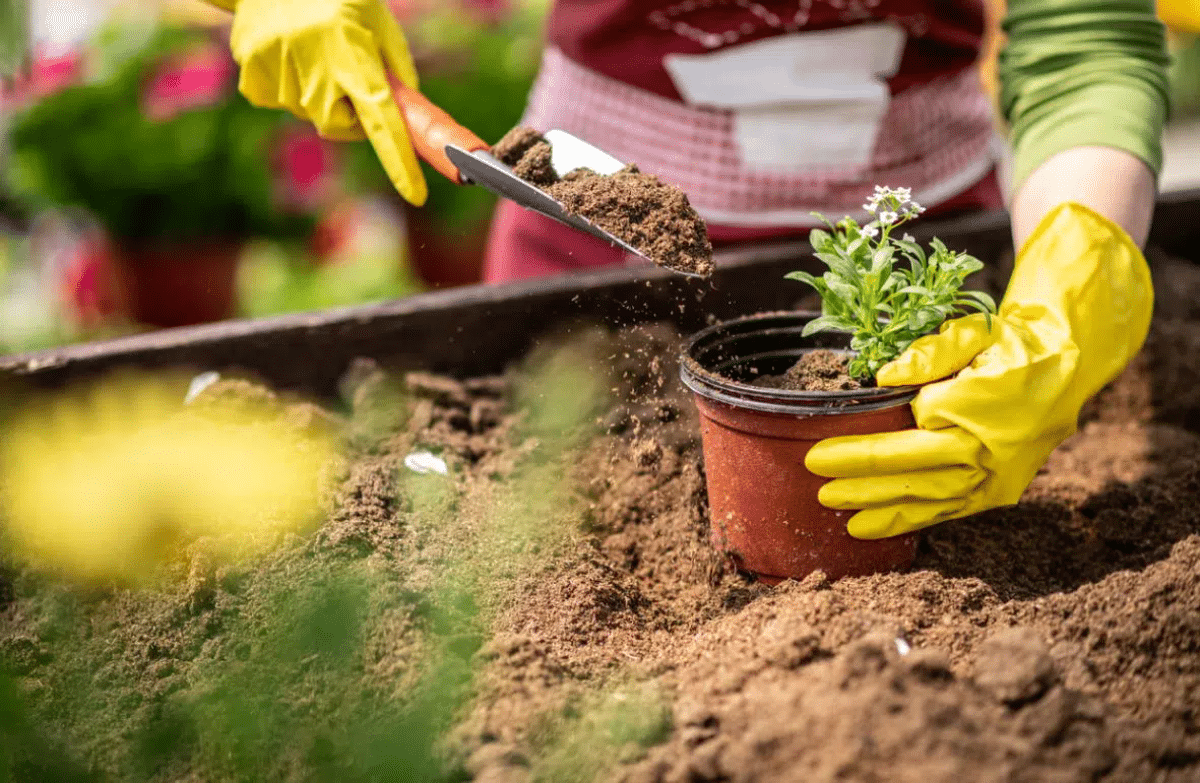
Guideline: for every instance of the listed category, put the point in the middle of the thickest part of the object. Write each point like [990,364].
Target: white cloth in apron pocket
[808,101]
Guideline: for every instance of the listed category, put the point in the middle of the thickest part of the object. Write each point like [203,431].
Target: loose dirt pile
[552,604]
[638,208]
[819,370]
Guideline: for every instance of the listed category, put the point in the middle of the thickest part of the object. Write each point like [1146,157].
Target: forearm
[1115,183]
[1084,88]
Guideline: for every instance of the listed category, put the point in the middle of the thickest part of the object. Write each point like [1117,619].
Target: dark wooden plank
[480,329]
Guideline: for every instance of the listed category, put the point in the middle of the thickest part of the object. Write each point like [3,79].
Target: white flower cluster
[891,206]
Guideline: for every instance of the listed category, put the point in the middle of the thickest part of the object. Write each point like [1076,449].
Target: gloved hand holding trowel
[345,66]
[765,112]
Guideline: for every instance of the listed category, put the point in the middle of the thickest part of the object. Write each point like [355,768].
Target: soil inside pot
[1058,639]
[639,208]
[819,370]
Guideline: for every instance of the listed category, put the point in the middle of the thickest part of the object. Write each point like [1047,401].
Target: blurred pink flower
[48,73]
[489,11]
[307,168]
[405,10]
[88,286]
[199,78]
[52,73]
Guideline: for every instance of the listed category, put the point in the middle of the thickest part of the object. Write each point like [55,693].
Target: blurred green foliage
[274,278]
[1185,76]
[284,696]
[205,172]
[597,732]
[14,33]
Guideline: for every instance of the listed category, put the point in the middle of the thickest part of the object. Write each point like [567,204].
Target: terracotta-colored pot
[446,255]
[178,283]
[762,499]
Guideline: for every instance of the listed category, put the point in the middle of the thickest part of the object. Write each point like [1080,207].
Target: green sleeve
[1083,72]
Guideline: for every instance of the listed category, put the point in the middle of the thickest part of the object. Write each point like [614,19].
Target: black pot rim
[706,383]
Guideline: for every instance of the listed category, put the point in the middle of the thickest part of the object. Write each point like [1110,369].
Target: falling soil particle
[819,370]
[638,208]
[1058,639]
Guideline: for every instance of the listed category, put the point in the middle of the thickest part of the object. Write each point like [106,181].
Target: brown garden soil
[638,208]
[818,370]
[552,609]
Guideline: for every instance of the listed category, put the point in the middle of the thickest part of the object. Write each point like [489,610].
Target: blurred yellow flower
[112,482]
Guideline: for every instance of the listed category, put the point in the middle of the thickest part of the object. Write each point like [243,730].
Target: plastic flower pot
[764,512]
[178,283]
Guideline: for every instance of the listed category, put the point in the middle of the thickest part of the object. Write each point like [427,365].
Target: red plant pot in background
[178,284]
[445,256]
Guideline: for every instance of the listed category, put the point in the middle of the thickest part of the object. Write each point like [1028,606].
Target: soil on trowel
[535,166]
[819,370]
[638,208]
[552,609]
[515,144]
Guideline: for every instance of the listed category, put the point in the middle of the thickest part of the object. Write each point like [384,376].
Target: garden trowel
[462,157]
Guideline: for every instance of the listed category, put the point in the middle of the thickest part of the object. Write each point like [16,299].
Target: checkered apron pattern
[936,138]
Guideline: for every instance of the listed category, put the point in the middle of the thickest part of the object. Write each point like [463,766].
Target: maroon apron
[692,91]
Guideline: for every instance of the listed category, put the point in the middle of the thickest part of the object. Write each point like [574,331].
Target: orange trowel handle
[431,129]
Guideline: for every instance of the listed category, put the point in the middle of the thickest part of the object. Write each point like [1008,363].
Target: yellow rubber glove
[1182,16]
[326,61]
[1076,311]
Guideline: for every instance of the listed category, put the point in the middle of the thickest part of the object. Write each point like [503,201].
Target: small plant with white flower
[869,292]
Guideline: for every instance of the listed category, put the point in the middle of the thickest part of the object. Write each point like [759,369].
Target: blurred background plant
[14,28]
[159,150]
[130,144]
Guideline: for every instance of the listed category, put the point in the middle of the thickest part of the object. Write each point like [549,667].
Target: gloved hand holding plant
[1002,391]
[885,307]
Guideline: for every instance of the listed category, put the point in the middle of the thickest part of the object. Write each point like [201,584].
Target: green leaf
[924,320]
[985,300]
[911,249]
[839,265]
[805,277]
[844,291]
[895,280]
[971,303]
[970,266]
[820,240]
[827,323]
[882,258]
[823,219]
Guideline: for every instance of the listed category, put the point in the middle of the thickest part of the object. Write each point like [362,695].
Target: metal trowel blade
[567,154]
